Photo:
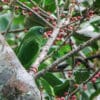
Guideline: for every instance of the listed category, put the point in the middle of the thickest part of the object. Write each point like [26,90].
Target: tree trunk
[15,82]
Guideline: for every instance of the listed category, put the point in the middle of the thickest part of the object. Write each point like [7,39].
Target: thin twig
[44,12]
[9,24]
[57,10]
[35,13]
[14,31]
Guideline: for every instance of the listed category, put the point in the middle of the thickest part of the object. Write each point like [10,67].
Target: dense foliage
[78,76]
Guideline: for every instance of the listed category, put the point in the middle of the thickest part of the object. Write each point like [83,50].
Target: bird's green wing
[28,51]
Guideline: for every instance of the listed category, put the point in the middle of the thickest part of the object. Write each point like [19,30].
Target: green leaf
[62,88]
[97,3]
[50,5]
[81,75]
[46,86]
[95,94]
[52,79]
[4,20]
[87,51]
[84,96]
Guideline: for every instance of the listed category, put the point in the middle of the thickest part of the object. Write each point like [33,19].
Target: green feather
[30,46]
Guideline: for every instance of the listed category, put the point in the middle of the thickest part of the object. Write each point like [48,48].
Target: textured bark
[15,82]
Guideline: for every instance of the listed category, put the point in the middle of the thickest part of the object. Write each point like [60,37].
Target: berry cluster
[73,19]
[90,14]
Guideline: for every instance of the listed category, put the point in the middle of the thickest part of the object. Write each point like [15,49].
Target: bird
[30,46]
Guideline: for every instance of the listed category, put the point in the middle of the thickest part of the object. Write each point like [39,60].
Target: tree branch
[35,13]
[15,82]
[41,73]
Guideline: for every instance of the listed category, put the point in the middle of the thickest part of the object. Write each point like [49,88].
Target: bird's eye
[41,30]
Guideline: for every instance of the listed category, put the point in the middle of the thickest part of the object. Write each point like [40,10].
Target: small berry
[58,38]
[62,98]
[91,12]
[16,7]
[76,85]
[57,98]
[54,23]
[61,30]
[49,33]
[66,93]
[73,97]
[79,17]
[60,35]
[62,15]
[36,9]
[93,80]
[75,18]
[51,18]
[70,27]
[96,76]
[30,13]
[99,74]
[70,72]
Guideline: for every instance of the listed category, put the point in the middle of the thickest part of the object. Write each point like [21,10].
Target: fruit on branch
[76,85]
[74,97]
[30,46]
[62,15]
[93,80]
[36,9]
[66,93]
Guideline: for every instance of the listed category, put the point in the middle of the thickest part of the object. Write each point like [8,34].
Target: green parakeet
[30,46]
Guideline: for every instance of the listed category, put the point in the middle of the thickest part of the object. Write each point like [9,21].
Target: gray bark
[15,82]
